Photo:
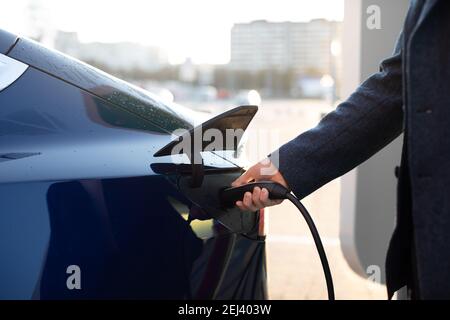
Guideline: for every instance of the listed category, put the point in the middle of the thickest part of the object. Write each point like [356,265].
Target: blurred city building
[302,46]
[278,59]
[303,51]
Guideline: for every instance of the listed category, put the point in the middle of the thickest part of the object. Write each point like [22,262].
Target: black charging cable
[229,196]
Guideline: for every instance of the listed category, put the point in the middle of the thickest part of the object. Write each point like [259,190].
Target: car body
[87,211]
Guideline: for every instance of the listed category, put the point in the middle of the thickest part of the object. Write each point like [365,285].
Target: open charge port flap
[235,120]
[207,198]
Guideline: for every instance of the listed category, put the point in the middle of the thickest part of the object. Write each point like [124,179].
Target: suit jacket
[410,93]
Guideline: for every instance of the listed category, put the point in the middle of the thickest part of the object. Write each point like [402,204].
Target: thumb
[245,177]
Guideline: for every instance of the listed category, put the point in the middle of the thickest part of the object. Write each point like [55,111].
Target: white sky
[199,29]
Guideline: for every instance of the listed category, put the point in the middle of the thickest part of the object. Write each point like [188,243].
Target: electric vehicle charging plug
[229,196]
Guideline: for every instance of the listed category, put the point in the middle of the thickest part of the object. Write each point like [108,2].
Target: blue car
[92,204]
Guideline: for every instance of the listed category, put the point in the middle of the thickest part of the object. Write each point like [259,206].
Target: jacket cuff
[290,167]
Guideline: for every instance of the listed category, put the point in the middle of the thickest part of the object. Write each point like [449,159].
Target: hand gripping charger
[229,196]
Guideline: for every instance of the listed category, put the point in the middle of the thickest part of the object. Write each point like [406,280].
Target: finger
[266,201]
[240,205]
[264,197]
[256,198]
[248,201]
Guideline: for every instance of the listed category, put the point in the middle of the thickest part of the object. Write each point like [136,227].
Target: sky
[196,29]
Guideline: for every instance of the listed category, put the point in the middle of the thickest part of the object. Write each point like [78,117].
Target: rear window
[138,101]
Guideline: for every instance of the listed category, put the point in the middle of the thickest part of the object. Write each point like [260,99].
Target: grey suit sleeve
[359,127]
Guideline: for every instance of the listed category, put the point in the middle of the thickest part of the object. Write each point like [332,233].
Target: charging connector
[229,196]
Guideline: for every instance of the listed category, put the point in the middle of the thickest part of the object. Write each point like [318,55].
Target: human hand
[259,198]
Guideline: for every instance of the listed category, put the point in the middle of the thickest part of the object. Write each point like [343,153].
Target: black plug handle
[229,196]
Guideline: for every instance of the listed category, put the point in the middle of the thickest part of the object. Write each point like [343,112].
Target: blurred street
[293,264]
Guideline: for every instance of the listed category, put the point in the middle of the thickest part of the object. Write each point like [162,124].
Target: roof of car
[7,41]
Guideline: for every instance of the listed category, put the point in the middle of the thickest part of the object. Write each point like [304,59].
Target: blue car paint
[77,188]
[7,41]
